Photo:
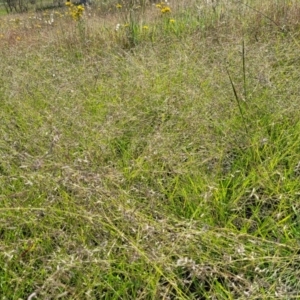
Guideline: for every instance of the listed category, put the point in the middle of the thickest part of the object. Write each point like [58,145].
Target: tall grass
[157,161]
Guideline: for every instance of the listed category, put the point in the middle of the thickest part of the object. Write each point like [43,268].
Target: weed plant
[154,159]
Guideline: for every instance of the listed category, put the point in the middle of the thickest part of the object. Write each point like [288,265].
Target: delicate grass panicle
[156,159]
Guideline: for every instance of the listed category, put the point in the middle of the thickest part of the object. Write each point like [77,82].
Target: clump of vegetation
[150,151]
[75,11]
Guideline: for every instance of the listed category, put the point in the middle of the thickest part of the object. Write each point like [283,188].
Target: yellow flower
[166,9]
[80,8]
[118,5]
[158,5]
[172,21]
[76,12]
[68,3]
[146,27]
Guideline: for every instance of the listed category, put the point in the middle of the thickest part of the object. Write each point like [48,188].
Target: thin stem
[237,100]
[244,70]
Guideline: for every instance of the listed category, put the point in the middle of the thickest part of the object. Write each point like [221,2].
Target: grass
[155,159]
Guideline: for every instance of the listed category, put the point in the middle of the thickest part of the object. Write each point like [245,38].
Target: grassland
[154,159]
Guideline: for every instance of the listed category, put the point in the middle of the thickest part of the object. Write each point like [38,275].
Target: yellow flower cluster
[75,11]
[164,8]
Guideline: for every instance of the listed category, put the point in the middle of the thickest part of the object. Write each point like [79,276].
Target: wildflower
[166,9]
[80,8]
[145,27]
[158,5]
[118,5]
[117,27]
[76,12]
[68,3]
[18,38]
[172,21]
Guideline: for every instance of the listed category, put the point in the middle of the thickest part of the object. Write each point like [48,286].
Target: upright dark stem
[238,101]
[244,70]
